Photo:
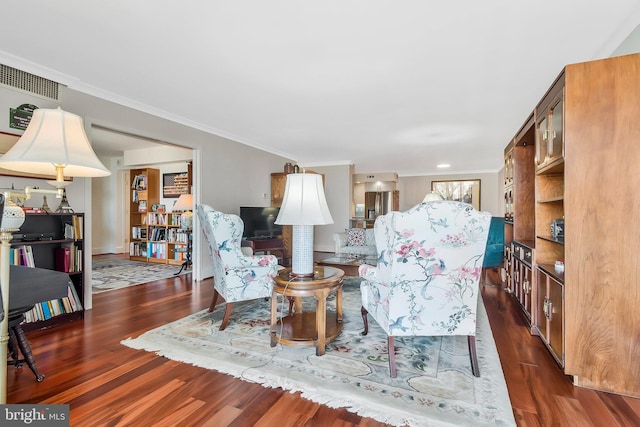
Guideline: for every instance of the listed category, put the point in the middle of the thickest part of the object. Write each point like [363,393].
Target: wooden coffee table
[348,263]
[310,328]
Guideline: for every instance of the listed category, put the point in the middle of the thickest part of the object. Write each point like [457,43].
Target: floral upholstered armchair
[236,277]
[426,279]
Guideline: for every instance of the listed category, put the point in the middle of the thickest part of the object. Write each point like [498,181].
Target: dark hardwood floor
[106,383]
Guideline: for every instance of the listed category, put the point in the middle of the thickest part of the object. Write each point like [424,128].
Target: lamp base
[301,276]
[302,254]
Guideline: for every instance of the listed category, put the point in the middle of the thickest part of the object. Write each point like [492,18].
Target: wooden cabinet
[522,277]
[550,306]
[54,242]
[278,185]
[586,134]
[520,216]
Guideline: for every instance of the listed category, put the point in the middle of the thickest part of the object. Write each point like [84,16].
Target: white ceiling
[394,86]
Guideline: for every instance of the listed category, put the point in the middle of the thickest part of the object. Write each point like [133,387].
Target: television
[259,222]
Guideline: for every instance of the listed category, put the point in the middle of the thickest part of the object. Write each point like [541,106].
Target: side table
[311,328]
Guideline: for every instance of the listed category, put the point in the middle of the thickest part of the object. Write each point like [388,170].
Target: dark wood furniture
[267,245]
[307,328]
[586,154]
[47,235]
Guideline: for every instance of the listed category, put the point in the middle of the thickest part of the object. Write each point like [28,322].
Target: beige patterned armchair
[426,280]
[236,276]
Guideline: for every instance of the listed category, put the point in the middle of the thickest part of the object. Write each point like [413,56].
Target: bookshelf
[145,192]
[159,239]
[53,242]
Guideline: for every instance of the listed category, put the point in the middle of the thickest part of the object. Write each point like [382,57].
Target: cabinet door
[555,310]
[541,305]
[278,184]
[555,149]
[542,140]
[525,294]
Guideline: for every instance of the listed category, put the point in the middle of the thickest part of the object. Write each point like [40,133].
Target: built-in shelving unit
[583,168]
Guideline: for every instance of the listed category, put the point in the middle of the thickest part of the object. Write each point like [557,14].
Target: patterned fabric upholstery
[343,246]
[429,265]
[236,277]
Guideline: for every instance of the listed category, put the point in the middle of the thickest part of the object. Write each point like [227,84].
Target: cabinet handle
[545,135]
[525,287]
[548,308]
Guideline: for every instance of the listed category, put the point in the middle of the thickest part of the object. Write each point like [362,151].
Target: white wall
[337,189]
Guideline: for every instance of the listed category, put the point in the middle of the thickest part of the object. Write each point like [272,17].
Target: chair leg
[365,320]
[227,313]
[475,368]
[213,300]
[392,357]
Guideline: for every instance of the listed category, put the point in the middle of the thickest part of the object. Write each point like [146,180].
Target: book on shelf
[48,309]
[63,259]
[139,182]
[32,210]
[22,255]
[142,206]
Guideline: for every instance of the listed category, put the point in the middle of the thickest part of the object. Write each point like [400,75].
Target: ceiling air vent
[28,82]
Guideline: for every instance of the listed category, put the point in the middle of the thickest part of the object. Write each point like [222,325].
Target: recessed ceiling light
[443,165]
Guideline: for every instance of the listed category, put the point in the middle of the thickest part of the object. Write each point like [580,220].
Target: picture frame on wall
[467,191]
[175,184]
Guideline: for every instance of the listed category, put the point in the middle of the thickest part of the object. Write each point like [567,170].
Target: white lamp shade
[54,137]
[184,203]
[304,202]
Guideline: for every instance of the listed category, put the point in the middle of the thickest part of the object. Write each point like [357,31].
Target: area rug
[108,275]
[434,386]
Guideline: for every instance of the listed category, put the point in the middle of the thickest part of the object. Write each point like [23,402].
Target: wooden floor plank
[107,383]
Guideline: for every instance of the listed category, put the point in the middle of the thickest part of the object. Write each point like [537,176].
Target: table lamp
[303,206]
[185,205]
[432,197]
[54,143]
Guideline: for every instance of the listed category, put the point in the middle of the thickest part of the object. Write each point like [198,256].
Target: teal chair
[495,246]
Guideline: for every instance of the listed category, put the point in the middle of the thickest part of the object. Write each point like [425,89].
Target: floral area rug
[434,386]
[108,275]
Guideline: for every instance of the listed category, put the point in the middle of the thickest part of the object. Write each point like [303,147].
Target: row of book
[48,309]
[138,232]
[171,235]
[22,255]
[69,258]
[139,182]
[157,234]
[73,230]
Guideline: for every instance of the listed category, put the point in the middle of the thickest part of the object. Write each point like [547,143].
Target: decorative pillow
[355,237]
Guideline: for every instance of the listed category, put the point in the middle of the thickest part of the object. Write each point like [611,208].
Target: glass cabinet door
[556,145]
[542,141]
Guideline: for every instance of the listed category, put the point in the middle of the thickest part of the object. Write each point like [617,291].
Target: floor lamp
[303,206]
[54,143]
